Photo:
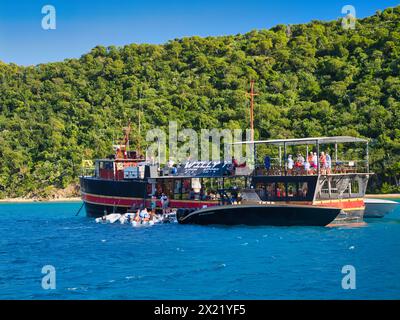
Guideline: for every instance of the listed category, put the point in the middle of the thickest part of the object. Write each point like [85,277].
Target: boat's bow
[377,208]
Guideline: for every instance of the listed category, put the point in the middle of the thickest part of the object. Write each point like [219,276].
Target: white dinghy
[110,218]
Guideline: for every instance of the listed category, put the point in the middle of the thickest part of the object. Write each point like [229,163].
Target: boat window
[186,185]
[325,190]
[186,188]
[271,192]
[334,188]
[355,187]
[165,186]
[261,191]
[280,190]
[292,189]
[177,189]
[303,189]
[159,189]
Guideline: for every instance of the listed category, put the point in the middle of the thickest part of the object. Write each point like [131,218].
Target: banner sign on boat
[203,169]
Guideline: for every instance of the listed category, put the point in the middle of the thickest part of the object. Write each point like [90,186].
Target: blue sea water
[96,261]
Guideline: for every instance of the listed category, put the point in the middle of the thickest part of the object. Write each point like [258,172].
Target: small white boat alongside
[136,221]
[110,218]
[377,208]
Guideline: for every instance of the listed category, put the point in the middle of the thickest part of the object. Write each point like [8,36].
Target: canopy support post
[255,157]
[317,156]
[335,152]
[284,156]
[367,155]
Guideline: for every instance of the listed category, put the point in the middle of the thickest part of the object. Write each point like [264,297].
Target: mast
[139,137]
[126,139]
[122,147]
[128,131]
[252,94]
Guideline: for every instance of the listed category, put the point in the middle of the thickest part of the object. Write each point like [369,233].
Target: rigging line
[80,209]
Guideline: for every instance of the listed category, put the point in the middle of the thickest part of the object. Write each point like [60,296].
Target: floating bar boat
[221,192]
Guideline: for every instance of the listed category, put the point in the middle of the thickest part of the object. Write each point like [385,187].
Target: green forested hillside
[312,79]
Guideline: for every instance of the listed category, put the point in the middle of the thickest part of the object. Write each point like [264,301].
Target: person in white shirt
[307,167]
[290,164]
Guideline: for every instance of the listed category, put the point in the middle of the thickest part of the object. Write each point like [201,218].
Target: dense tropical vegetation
[312,79]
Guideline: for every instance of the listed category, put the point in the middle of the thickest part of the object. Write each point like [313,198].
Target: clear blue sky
[81,25]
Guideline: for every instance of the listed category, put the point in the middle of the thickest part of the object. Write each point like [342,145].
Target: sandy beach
[384,196]
[22,200]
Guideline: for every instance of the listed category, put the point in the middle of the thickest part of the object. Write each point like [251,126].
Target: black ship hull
[109,196]
[257,215]
[103,196]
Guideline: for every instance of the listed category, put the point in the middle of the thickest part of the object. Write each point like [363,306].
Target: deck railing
[337,167]
[275,169]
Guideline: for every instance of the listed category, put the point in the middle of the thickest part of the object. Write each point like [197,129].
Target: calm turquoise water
[95,261]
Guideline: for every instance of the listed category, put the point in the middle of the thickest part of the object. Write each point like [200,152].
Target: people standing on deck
[299,164]
[328,163]
[170,163]
[300,160]
[290,164]
[310,160]
[267,163]
[164,203]
[315,160]
[307,167]
[322,162]
[153,204]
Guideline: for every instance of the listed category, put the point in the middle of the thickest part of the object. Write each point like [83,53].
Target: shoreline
[23,200]
[78,199]
[384,196]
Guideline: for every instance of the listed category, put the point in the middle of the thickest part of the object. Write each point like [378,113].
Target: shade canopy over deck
[304,141]
[307,141]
